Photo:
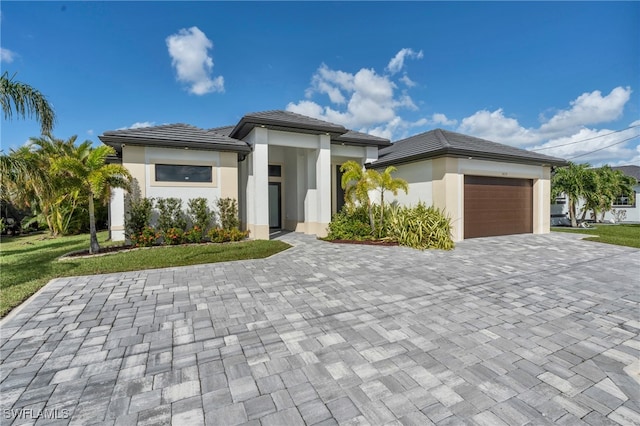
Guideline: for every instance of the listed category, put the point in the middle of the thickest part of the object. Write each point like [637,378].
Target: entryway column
[260,157]
[323,181]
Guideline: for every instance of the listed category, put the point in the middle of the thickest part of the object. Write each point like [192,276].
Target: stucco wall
[140,161]
[441,182]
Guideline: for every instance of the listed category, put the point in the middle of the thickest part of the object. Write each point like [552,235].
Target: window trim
[628,206]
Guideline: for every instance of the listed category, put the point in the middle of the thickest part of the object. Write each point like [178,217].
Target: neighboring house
[624,208]
[284,170]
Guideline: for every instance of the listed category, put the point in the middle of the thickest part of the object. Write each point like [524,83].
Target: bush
[173,236]
[138,216]
[194,235]
[219,235]
[146,237]
[200,214]
[351,223]
[228,212]
[170,214]
[419,227]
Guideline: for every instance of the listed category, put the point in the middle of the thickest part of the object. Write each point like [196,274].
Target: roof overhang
[248,123]
[474,155]
[117,142]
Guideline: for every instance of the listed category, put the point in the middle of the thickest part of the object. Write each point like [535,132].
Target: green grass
[27,263]
[621,235]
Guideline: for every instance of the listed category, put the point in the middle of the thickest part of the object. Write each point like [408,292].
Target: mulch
[366,242]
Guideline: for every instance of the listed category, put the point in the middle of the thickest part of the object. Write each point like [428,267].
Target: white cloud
[189,53]
[441,119]
[587,109]
[90,132]
[364,100]
[7,55]
[397,62]
[139,125]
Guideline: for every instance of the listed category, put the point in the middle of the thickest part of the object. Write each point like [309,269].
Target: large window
[183,173]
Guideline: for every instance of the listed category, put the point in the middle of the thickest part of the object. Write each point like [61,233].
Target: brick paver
[517,330]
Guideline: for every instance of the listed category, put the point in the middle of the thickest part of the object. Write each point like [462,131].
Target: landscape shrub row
[168,224]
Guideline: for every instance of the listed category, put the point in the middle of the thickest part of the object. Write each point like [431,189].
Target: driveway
[517,330]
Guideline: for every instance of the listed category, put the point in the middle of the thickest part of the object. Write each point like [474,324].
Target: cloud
[7,55]
[90,132]
[587,109]
[189,56]
[441,119]
[364,100]
[139,125]
[397,62]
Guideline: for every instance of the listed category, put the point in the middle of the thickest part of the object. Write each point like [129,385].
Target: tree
[357,182]
[570,180]
[385,182]
[95,178]
[26,101]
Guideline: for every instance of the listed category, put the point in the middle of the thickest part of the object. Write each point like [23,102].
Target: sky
[560,78]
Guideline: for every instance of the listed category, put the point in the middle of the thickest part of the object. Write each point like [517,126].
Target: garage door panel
[497,206]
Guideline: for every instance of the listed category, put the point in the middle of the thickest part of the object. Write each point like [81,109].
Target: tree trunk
[94,247]
[572,213]
[381,213]
[371,221]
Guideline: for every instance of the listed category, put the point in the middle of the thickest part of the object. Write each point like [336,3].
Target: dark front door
[275,203]
[339,190]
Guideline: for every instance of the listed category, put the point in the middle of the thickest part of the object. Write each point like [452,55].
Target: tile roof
[174,136]
[439,142]
[363,138]
[284,120]
[633,171]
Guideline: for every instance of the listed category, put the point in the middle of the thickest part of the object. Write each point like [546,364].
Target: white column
[260,163]
[116,214]
[323,182]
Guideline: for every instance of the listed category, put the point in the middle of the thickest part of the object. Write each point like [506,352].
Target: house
[284,170]
[486,188]
[623,209]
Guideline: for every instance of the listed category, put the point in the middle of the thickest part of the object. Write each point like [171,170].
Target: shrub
[170,214]
[200,214]
[173,236]
[145,237]
[194,235]
[138,216]
[351,223]
[219,235]
[228,212]
[419,227]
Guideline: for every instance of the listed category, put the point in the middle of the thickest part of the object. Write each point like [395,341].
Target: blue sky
[533,75]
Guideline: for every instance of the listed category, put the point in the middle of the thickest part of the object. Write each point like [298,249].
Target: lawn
[621,235]
[29,262]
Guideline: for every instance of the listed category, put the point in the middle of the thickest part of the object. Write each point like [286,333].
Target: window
[180,173]
[275,171]
[625,201]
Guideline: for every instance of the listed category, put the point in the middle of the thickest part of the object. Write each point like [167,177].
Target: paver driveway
[511,330]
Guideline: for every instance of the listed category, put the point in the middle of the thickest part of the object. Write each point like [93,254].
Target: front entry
[275,205]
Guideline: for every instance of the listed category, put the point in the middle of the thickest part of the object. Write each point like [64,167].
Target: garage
[497,206]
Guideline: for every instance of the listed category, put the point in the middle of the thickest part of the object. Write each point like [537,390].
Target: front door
[275,200]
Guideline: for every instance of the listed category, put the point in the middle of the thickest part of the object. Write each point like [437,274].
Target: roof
[359,138]
[439,142]
[174,136]
[284,120]
[633,171]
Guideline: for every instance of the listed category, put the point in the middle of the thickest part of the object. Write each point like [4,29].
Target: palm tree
[94,177]
[357,182]
[385,182]
[570,180]
[26,101]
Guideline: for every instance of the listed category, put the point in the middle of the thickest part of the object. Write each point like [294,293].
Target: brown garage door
[497,206]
